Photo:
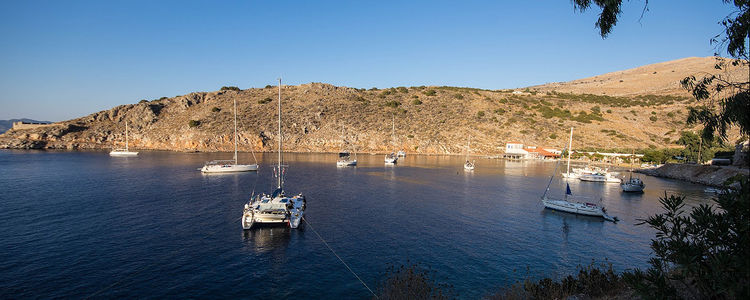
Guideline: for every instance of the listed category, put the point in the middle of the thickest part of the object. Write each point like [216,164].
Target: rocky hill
[8,124]
[427,120]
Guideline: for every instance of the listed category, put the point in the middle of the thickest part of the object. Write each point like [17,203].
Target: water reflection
[263,239]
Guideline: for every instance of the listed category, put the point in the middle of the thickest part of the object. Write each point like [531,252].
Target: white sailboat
[227,166]
[276,208]
[392,158]
[604,176]
[634,185]
[570,205]
[469,165]
[125,151]
[345,158]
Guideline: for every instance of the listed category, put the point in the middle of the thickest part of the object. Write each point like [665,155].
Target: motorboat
[276,208]
[401,153]
[600,177]
[227,166]
[124,151]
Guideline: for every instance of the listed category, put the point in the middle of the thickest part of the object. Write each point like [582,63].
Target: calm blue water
[82,224]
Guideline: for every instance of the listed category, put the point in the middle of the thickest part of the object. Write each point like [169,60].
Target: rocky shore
[703,174]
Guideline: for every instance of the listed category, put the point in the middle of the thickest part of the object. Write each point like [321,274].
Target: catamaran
[226,166]
[468,165]
[633,184]
[276,208]
[568,203]
[125,151]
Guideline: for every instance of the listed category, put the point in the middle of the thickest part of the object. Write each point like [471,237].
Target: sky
[66,59]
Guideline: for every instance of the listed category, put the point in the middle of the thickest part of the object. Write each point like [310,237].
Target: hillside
[656,79]
[428,120]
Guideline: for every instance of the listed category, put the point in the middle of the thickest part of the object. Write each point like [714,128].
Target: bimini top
[344,154]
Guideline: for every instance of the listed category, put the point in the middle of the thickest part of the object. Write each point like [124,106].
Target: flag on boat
[567,189]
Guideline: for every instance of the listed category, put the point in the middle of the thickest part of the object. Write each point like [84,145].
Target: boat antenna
[551,177]
[279,182]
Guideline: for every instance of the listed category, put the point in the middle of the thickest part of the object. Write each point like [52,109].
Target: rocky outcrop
[703,174]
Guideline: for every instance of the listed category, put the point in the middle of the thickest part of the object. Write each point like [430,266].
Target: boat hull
[123,153]
[228,168]
[346,163]
[631,188]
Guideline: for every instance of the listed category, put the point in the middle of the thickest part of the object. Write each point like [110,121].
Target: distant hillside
[8,124]
[656,79]
[427,119]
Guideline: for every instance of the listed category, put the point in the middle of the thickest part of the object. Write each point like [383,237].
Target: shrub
[143,101]
[652,118]
[499,111]
[702,254]
[430,92]
[670,114]
[415,96]
[194,123]
[162,98]
[609,111]
[402,89]
[359,99]
[458,96]
[416,102]
[480,114]
[216,109]
[265,100]
[412,282]
[268,86]
[411,136]
[596,110]
[393,104]
[230,88]
[553,136]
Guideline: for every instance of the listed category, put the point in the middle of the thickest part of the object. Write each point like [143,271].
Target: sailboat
[633,184]
[345,158]
[575,207]
[126,151]
[276,208]
[392,158]
[226,166]
[468,165]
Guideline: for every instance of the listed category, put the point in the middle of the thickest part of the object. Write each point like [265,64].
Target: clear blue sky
[64,59]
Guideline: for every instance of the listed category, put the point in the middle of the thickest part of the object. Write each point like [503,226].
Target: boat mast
[550,179]
[126,136]
[235,131]
[280,137]
[393,131]
[570,145]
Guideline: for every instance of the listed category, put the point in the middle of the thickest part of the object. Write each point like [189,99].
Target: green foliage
[694,145]
[458,96]
[416,102]
[499,111]
[641,100]
[411,136]
[393,104]
[583,117]
[609,111]
[415,96]
[553,136]
[596,110]
[430,92]
[215,109]
[702,254]
[268,86]
[670,114]
[194,123]
[359,99]
[265,100]
[402,89]
[594,282]
[229,88]
[652,118]
[480,114]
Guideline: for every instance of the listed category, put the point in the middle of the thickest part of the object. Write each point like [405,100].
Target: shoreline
[716,176]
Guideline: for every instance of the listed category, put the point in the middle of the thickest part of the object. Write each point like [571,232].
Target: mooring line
[339,257]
